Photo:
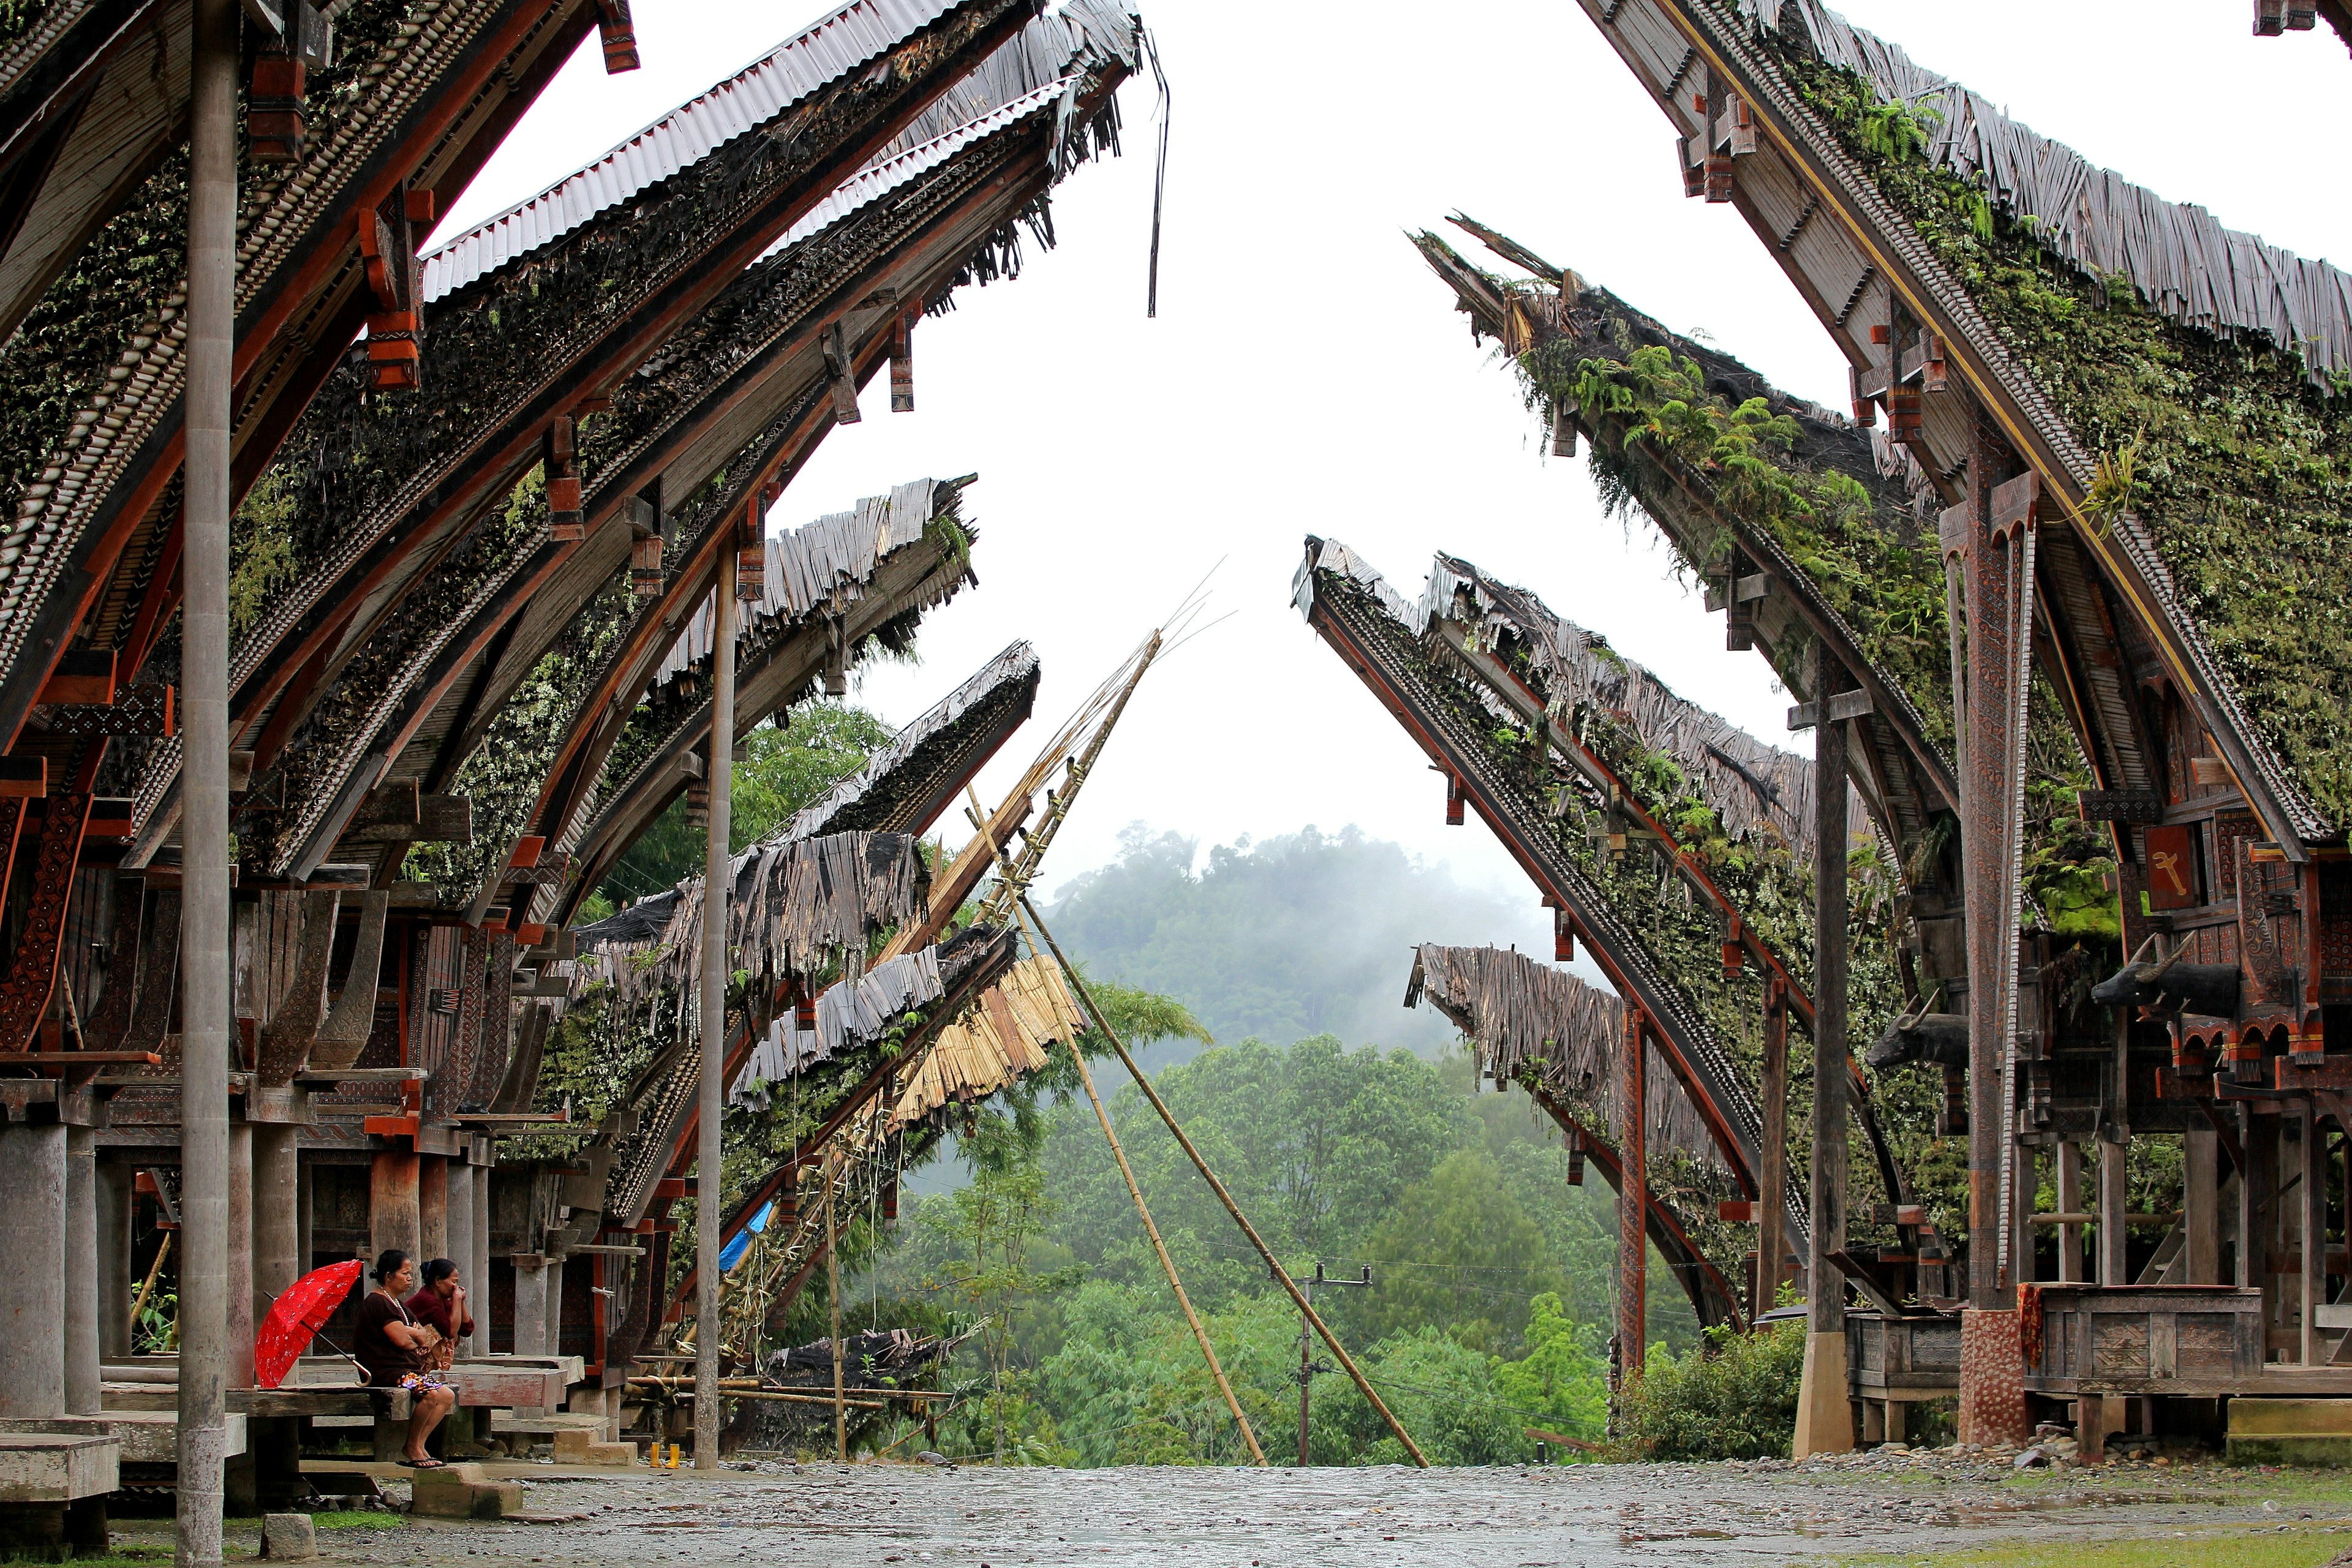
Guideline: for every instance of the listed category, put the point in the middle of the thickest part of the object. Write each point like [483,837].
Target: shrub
[1732,1397]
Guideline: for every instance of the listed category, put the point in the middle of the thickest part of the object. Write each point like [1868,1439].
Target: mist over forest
[1281,938]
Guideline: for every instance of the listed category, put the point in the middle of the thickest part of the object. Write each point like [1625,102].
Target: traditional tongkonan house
[483,498]
[1680,853]
[2070,606]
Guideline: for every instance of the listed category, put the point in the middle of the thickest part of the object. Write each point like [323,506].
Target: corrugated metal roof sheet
[837,44]
[881,177]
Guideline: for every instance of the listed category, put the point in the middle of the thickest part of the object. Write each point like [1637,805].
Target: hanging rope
[1158,176]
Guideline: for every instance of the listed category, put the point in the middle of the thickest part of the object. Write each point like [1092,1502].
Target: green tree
[1457,1248]
[1562,1382]
[991,1226]
[822,743]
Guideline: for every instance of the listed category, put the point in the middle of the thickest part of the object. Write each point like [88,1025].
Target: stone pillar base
[1992,1378]
[1824,1409]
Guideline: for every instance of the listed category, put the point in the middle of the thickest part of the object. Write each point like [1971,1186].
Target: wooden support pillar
[2070,1201]
[1773,1203]
[2258,1209]
[2114,1201]
[116,1207]
[2095,1417]
[1632,1201]
[392,1217]
[1824,1415]
[1990,535]
[2026,1182]
[432,1208]
[2312,1235]
[902,363]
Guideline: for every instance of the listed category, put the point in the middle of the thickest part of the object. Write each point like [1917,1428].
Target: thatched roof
[1525,1016]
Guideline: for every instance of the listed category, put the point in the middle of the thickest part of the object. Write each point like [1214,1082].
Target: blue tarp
[732,1253]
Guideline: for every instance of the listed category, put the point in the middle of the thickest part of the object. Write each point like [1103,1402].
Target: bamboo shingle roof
[2183,261]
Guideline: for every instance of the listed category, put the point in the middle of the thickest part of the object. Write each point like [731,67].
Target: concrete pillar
[33,1280]
[712,1010]
[278,1256]
[242,1314]
[478,1260]
[554,1339]
[306,1181]
[2202,1207]
[116,1288]
[81,1272]
[204,950]
[531,1317]
[458,1247]
[432,1208]
[394,1218]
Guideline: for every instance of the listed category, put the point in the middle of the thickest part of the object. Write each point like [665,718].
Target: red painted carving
[32,972]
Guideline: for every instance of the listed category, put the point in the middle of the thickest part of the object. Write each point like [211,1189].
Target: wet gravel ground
[913,1515]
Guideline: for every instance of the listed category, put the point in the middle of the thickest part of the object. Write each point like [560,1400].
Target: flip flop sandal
[423,1464]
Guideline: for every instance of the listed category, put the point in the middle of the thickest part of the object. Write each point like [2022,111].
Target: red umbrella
[295,1318]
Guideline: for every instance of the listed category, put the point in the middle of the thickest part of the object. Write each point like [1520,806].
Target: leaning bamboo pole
[832,1294]
[1281,1275]
[1142,1210]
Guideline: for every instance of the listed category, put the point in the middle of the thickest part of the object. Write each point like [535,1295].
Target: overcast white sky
[1307,374]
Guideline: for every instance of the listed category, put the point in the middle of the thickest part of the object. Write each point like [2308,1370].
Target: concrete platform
[56,1468]
[153,1436]
[547,1424]
[2290,1432]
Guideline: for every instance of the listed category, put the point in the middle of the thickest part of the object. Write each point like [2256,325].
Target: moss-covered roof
[2191,384]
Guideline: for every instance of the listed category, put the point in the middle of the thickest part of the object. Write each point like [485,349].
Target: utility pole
[1307,1365]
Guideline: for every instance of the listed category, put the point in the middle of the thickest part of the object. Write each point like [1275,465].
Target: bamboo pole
[147,1286]
[1281,1275]
[1144,1210]
[833,1289]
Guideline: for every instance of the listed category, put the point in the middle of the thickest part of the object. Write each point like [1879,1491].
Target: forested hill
[1303,934]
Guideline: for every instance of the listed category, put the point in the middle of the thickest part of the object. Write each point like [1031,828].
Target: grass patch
[2245,1548]
[358,1519]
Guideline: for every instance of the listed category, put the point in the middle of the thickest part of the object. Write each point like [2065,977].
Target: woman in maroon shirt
[442,1303]
[392,1345]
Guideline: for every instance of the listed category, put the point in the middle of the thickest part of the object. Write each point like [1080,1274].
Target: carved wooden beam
[32,972]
